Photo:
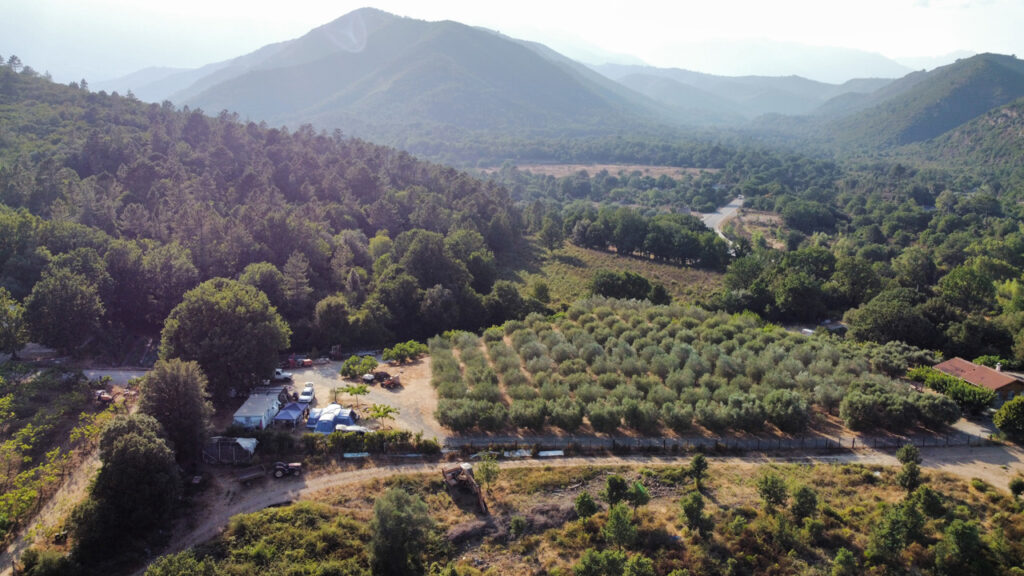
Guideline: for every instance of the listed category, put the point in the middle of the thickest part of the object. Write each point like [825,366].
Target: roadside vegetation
[50,423]
[739,519]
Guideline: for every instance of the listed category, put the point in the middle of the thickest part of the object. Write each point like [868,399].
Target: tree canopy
[174,393]
[228,328]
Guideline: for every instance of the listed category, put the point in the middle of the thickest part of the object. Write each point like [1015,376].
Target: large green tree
[174,393]
[892,315]
[132,500]
[63,309]
[401,525]
[330,320]
[230,329]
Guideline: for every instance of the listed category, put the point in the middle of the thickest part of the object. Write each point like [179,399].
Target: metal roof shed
[257,411]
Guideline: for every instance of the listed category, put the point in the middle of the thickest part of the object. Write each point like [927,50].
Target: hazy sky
[99,39]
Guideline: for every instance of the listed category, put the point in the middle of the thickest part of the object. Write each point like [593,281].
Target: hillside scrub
[632,365]
[849,517]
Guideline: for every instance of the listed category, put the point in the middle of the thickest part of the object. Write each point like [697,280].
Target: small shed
[291,414]
[259,408]
[228,450]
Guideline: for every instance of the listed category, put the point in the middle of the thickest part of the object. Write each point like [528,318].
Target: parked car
[307,395]
[281,375]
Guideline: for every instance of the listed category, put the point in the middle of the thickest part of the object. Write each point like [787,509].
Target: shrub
[565,413]
[604,417]
[356,366]
[585,505]
[772,490]
[788,410]
[641,416]
[677,416]
[805,502]
[1010,418]
[528,414]
[404,352]
[1017,486]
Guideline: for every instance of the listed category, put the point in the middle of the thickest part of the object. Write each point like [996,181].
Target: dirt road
[994,464]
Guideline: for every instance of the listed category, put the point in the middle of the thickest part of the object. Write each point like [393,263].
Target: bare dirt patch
[563,170]
[749,222]
[415,397]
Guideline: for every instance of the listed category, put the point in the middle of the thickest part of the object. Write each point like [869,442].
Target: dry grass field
[563,170]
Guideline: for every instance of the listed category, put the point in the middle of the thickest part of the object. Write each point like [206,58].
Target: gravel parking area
[415,399]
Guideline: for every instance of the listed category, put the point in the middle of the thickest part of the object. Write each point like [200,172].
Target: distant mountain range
[734,97]
[370,73]
[923,105]
[401,81]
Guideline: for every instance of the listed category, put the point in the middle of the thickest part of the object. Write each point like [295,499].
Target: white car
[307,395]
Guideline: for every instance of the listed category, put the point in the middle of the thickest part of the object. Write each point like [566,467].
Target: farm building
[1005,385]
[259,408]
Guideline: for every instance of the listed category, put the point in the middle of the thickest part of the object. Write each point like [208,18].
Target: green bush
[356,366]
[404,352]
[528,414]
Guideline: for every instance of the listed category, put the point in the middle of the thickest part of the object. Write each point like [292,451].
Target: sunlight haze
[101,39]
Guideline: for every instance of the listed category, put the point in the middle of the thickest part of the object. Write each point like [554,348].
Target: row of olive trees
[644,367]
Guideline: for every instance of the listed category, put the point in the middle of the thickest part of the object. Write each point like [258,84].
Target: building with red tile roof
[1005,385]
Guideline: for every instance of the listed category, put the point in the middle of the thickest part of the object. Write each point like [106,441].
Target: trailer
[249,475]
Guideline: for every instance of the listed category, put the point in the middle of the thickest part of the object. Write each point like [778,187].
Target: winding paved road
[715,219]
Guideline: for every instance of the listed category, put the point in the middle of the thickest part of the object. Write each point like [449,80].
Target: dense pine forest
[129,205]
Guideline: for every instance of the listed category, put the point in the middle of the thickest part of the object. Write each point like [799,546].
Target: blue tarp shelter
[291,413]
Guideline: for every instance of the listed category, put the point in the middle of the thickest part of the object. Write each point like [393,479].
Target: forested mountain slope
[133,204]
[376,75]
[992,140]
[922,106]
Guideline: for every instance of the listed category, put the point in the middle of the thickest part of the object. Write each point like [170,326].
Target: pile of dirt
[550,515]
[472,530]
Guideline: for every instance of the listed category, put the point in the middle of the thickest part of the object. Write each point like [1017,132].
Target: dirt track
[994,464]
